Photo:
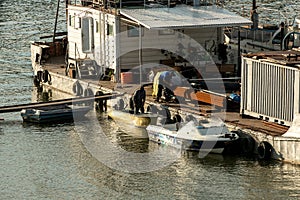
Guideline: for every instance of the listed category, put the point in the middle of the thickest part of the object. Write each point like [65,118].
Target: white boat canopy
[184,17]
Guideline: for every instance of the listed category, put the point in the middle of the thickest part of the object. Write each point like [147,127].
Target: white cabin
[121,39]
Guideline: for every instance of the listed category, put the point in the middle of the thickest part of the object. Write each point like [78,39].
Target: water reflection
[50,161]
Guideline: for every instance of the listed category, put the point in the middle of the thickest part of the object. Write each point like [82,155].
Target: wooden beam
[69,101]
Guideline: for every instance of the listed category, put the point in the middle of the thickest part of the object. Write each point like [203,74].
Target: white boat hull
[208,143]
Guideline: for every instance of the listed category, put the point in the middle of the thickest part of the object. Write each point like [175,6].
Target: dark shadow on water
[43,125]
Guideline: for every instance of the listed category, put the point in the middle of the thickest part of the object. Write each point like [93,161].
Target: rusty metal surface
[288,58]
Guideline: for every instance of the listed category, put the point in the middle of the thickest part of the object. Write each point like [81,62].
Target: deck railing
[143,3]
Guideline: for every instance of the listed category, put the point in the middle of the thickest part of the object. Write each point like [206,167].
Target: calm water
[51,162]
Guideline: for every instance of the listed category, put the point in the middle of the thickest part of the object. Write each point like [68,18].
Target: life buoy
[77,89]
[264,150]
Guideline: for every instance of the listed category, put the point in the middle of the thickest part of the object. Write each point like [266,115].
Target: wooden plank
[276,126]
[208,98]
[69,101]
[226,68]
[183,92]
[56,35]
[201,96]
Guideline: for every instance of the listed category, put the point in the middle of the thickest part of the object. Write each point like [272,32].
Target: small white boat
[203,137]
[50,114]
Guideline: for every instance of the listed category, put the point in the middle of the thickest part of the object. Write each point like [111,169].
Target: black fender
[77,89]
[88,92]
[45,76]
[264,150]
[39,76]
[36,81]
[101,104]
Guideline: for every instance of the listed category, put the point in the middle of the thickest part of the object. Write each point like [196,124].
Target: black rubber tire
[264,150]
[77,89]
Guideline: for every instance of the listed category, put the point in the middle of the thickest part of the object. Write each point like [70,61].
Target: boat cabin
[117,37]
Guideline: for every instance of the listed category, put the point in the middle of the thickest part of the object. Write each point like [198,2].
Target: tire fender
[264,150]
[77,89]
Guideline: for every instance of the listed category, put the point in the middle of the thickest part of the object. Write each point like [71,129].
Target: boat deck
[232,116]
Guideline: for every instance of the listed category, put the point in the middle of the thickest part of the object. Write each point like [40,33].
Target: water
[51,162]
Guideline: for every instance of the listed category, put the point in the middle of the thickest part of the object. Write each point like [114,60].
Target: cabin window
[71,20]
[166,32]
[87,34]
[110,29]
[78,22]
[133,31]
[37,57]
[97,27]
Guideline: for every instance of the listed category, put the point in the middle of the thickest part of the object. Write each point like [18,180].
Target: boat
[89,50]
[202,137]
[133,124]
[51,114]
[265,37]
[138,120]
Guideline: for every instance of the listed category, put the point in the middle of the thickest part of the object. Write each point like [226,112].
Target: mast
[56,17]
[253,4]
[67,3]
[254,15]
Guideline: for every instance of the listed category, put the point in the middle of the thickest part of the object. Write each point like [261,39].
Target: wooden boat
[189,136]
[50,114]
